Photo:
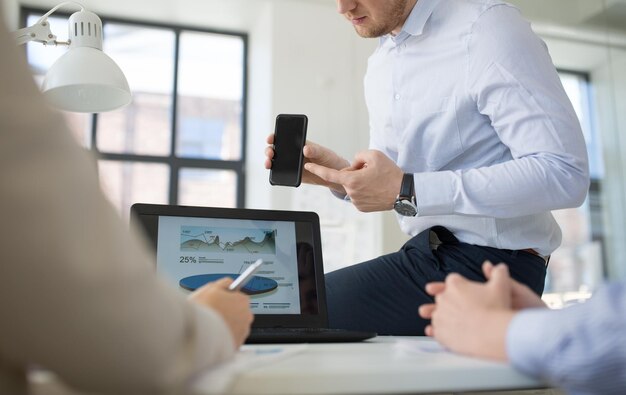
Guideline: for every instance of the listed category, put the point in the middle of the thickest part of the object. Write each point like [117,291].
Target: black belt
[531,251]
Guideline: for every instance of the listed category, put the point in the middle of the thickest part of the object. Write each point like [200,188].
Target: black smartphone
[289,140]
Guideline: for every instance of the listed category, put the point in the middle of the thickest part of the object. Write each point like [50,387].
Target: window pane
[146,56]
[200,187]
[210,91]
[577,264]
[578,90]
[40,56]
[126,183]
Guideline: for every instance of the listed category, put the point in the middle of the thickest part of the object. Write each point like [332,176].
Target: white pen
[246,276]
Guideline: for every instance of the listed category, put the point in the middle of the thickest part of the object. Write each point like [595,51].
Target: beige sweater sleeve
[78,293]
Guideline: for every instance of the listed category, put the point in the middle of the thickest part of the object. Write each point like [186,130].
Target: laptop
[196,245]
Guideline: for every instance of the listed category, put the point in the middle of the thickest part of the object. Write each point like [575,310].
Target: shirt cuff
[525,339]
[434,192]
[340,195]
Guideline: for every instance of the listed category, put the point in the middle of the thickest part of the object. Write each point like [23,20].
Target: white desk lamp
[84,79]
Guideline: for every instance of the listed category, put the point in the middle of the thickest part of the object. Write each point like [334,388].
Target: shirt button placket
[396,107]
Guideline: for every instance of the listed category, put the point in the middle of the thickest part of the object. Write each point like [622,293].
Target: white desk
[379,366]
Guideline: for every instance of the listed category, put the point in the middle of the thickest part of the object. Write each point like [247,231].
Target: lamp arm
[40,31]
[47,14]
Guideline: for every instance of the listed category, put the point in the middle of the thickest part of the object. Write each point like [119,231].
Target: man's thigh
[383,295]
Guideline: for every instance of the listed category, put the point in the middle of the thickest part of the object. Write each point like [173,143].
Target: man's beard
[393,18]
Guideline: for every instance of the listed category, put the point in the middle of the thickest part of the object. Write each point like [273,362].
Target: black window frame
[174,162]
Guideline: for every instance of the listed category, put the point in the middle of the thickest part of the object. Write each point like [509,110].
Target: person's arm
[514,83]
[78,292]
[580,348]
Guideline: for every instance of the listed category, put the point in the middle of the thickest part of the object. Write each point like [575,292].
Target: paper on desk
[219,380]
[421,346]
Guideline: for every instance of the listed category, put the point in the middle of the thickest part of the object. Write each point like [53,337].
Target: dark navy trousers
[383,295]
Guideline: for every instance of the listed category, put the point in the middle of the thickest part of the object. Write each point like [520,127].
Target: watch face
[406,208]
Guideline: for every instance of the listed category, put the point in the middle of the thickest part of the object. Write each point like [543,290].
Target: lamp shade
[85,79]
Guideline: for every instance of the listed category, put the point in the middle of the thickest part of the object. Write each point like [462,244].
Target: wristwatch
[405,202]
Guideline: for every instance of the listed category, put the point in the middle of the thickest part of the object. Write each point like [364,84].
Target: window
[182,139]
[578,264]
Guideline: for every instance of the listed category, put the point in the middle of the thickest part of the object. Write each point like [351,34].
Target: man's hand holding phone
[288,159]
[311,152]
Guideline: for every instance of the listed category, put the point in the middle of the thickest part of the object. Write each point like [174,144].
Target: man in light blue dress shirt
[581,348]
[473,142]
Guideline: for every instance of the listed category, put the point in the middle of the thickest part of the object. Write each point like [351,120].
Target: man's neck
[407,11]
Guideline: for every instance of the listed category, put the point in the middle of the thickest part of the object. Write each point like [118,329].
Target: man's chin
[369,32]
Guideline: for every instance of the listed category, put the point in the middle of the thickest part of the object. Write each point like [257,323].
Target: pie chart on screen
[258,285]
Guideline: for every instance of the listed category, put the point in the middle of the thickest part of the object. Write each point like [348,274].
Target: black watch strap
[407,188]
[405,203]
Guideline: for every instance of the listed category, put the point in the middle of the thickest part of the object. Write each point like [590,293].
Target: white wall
[231,14]
[304,58]
[318,67]
[612,111]
[260,106]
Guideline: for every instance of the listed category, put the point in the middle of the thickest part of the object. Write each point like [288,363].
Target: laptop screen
[196,245]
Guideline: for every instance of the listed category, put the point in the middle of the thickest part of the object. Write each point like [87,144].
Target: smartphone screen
[289,139]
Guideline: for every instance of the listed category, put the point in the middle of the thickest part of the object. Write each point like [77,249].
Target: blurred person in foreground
[581,348]
[78,293]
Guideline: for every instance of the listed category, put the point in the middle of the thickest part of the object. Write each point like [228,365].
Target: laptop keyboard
[305,335]
[297,330]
